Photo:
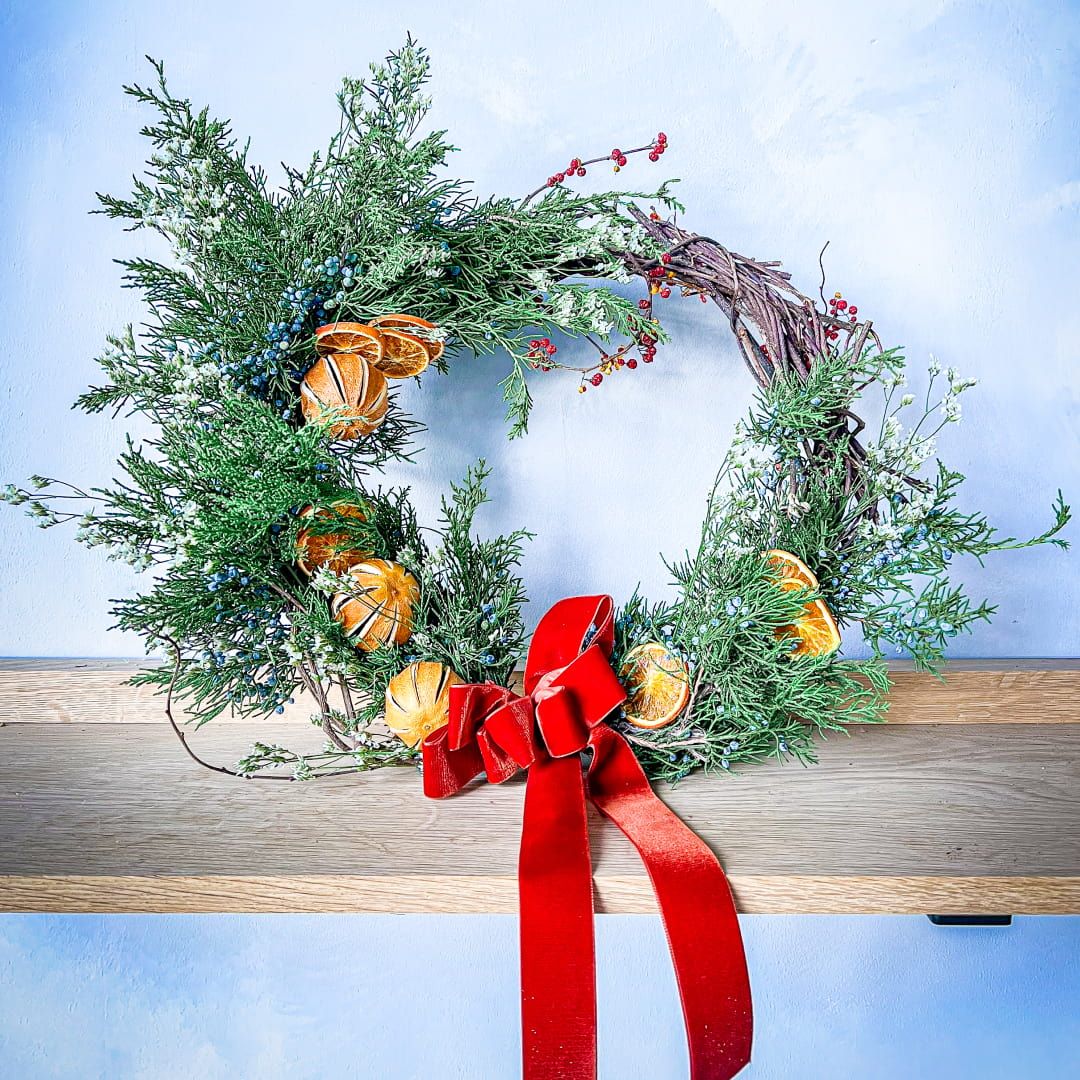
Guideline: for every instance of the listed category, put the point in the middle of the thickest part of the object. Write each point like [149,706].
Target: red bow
[570,689]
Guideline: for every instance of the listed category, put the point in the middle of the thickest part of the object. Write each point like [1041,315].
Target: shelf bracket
[970,920]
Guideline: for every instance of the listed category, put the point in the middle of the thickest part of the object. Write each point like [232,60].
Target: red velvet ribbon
[570,689]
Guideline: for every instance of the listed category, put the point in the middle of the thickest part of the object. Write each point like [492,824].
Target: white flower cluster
[899,452]
[540,280]
[950,404]
[198,213]
[747,456]
[593,312]
[317,652]
[196,375]
[330,581]
[915,509]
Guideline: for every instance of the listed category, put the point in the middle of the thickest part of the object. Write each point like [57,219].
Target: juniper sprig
[881,545]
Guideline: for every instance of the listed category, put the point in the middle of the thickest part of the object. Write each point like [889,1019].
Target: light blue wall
[409,998]
[934,144]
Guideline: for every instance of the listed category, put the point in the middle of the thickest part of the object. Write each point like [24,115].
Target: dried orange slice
[418,700]
[408,324]
[317,548]
[658,683]
[350,337]
[815,629]
[403,355]
[792,567]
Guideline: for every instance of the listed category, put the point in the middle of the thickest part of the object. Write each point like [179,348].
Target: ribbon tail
[695,903]
[558,966]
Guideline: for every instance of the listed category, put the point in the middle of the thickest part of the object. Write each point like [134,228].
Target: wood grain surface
[910,817]
[766,894]
[973,692]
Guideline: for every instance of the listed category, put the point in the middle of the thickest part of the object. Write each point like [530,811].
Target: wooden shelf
[967,802]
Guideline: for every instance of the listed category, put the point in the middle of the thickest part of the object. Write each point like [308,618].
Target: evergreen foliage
[211,506]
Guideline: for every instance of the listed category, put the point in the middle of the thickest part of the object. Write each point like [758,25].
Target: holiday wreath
[277,328]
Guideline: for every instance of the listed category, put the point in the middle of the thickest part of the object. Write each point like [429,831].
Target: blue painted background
[934,144]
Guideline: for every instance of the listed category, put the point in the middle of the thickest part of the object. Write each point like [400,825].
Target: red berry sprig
[840,308]
[541,350]
[577,166]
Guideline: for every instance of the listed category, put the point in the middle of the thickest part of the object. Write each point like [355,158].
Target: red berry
[647,358]
[631,363]
[574,164]
[643,304]
[622,159]
[654,156]
[661,137]
[616,154]
[645,339]
[551,181]
[854,318]
[597,379]
[665,258]
[654,216]
[551,350]
[560,177]
[581,170]
[534,344]
[853,310]
[665,292]
[841,304]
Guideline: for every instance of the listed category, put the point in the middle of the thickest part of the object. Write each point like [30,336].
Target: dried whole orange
[418,700]
[378,609]
[344,387]
[815,629]
[409,324]
[321,547]
[658,684]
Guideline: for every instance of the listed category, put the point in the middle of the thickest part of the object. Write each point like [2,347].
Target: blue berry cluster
[324,290]
[258,610]
[434,219]
[223,577]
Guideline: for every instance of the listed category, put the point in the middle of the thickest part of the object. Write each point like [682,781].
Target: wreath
[279,323]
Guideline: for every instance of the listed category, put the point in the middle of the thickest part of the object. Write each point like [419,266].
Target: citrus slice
[349,337]
[323,547]
[815,628]
[407,324]
[792,567]
[658,683]
[403,355]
